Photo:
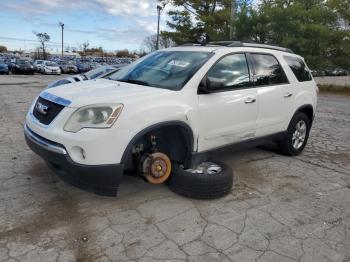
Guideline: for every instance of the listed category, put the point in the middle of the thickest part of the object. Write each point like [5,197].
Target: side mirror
[210,84]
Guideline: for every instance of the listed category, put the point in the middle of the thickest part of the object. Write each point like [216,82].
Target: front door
[228,115]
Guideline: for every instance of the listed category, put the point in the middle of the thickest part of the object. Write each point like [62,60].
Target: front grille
[49,110]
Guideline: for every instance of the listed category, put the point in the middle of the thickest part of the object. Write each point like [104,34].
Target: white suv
[173,106]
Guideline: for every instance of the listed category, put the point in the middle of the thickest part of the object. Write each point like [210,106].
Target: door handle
[250,100]
[288,95]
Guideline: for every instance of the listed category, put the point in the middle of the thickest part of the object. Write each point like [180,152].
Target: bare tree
[149,44]
[43,38]
[3,49]
[84,46]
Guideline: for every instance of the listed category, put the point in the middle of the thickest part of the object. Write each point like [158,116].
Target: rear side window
[267,70]
[299,68]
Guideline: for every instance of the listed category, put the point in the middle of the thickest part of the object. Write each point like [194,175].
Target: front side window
[267,70]
[164,69]
[232,70]
[299,68]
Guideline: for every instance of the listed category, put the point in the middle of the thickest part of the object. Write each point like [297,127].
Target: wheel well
[175,140]
[308,110]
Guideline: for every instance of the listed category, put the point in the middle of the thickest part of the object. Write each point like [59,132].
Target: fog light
[77,153]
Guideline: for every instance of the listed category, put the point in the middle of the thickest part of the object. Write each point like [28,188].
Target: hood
[103,91]
[24,65]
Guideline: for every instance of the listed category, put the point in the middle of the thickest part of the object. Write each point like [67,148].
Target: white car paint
[216,119]
[84,77]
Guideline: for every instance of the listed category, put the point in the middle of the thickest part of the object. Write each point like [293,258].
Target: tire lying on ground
[213,181]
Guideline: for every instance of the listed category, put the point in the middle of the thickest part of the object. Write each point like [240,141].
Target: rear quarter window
[299,68]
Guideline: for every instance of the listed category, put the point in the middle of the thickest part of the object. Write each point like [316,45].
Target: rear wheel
[297,135]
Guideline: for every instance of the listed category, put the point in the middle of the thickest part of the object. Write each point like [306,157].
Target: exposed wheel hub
[157,168]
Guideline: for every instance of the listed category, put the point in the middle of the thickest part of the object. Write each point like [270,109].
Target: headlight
[93,116]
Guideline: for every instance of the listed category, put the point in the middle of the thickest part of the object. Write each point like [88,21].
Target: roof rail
[255,45]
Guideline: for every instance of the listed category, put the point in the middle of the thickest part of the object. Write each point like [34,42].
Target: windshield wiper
[134,81]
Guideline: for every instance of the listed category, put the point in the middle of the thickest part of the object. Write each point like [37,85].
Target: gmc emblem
[42,109]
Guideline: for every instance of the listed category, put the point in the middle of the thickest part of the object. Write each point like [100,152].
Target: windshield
[23,62]
[98,72]
[51,64]
[164,69]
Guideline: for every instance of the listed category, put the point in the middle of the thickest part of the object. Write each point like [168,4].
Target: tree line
[319,30]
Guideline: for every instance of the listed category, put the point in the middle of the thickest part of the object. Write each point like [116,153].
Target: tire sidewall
[201,186]
[291,129]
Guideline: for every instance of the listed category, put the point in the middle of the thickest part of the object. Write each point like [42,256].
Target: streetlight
[159,9]
[62,27]
[233,13]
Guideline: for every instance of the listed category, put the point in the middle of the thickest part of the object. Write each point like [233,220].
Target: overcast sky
[112,24]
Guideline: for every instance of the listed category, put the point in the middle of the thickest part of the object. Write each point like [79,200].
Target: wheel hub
[206,168]
[157,168]
[299,135]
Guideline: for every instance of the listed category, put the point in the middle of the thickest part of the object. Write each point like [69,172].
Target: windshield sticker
[179,63]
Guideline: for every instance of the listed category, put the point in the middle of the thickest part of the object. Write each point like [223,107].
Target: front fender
[144,131]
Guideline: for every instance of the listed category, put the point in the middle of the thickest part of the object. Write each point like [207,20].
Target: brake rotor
[157,168]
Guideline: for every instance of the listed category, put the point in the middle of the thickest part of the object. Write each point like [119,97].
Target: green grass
[334,89]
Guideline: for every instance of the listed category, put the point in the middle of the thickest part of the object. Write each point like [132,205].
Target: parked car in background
[38,65]
[82,67]
[4,68]
[318,73]
[49,67]
[21,66]
[101,72]
[338,72]
[68,67]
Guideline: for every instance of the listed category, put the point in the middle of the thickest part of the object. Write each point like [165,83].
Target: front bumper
[101,179]
[52,72]
[71,71]
[24,70]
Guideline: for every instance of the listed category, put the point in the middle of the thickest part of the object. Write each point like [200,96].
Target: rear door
[274,94]
[228,115]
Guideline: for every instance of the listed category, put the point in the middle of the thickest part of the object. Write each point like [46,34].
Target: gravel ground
[280,209]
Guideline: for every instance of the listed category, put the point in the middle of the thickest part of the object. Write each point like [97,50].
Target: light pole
[232,18]
[62,27]
[159,9]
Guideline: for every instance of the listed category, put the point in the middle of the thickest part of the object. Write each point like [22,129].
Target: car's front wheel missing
[156,168]
[297,135]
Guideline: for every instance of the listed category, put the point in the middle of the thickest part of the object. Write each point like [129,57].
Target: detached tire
[201,185]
